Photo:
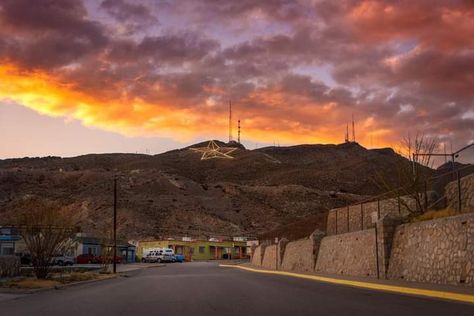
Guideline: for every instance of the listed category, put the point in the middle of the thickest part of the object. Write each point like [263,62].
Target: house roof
[101,241]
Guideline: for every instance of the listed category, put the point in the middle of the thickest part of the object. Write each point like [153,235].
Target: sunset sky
[84,76]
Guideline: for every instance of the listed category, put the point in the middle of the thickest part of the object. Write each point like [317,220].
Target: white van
[158,255]
[167,255]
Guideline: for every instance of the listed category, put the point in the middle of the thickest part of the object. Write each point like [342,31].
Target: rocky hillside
[177,193]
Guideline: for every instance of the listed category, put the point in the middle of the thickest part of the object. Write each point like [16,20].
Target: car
[153,256]
[167,255]
[108,259]
[86,258]
[168,258]
[179,258]
[62,260]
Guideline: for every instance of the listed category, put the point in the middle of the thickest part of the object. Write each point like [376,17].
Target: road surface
[204,288]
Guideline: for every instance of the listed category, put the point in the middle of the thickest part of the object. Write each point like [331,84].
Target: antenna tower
[230,121]
[346,136]
[238,135]
[353,129]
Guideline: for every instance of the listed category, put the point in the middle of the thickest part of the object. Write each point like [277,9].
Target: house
[197,249]
[99,247]
[9,237]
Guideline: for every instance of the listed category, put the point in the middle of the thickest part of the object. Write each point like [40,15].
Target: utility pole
[115,225]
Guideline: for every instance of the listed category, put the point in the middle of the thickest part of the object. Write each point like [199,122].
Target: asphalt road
[206,289]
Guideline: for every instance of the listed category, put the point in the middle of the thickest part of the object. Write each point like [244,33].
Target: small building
[197,249]
[9,236]
[97,246]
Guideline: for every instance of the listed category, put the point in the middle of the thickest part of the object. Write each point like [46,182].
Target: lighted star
[214,151]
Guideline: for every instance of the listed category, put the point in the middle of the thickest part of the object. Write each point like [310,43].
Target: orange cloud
[48,95]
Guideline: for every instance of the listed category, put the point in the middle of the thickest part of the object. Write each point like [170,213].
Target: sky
[93,76]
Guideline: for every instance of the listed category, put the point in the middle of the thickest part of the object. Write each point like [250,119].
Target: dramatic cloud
[295,70]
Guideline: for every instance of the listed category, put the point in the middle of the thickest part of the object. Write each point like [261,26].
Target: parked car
[168,258]
[153,256]
[108,259]
[62,260]
[86,258]
[179,258]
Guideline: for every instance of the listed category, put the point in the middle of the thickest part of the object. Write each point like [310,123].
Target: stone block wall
[9,266]
[270,257]
[301,255]
[385,230]
[348,254]
[257,255]
[437,251]
[467,194]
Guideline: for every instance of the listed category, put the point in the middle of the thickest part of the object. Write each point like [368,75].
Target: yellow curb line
[367,285]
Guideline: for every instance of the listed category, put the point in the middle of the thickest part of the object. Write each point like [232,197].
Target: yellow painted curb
[468,298]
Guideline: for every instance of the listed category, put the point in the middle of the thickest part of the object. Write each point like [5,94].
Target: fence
[453,189]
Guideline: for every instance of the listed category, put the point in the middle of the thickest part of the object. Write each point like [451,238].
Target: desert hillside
[176,193]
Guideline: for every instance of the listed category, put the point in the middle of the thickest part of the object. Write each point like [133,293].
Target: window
[202,249]
[7,249]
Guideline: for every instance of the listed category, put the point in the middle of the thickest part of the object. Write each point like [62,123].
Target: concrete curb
[452,296]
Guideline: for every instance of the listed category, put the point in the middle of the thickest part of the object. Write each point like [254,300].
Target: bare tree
[413,175]
[104,227]
[47,229]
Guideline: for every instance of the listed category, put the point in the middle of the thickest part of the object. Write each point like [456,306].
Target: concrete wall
[467,194]
[359,217]
[438,251]
[9,266]
[270,257]
[348,254]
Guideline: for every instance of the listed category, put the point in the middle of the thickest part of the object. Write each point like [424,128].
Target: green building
[197,249]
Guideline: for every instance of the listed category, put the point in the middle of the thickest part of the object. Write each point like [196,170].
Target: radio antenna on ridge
[353,129]
[346,136]
[230,121]
[238,132]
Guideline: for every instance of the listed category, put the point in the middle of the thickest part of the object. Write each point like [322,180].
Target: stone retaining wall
[257,255]
[270,257]
[467,194]
[348,254]
[437,251]
[9,266]
[301,255]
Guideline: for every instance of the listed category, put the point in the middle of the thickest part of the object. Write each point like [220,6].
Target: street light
[115,226]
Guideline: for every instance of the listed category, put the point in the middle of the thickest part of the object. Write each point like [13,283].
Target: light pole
[115,225]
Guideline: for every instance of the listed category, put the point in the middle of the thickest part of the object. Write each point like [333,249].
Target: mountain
[176,193]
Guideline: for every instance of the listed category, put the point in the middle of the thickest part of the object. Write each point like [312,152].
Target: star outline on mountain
[214,151]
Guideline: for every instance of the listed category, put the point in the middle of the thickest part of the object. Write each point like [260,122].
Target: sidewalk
[440,291]
[12,293]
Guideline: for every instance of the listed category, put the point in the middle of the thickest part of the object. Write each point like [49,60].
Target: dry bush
[434,214]
[47,229]
[413,177]
[31,284]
